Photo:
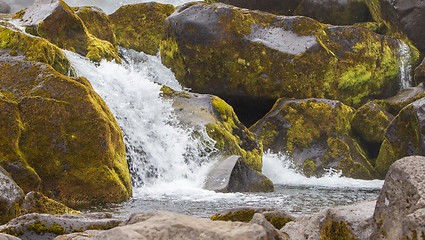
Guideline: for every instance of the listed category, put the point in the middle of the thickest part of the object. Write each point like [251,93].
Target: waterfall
[159,149]
[405,65]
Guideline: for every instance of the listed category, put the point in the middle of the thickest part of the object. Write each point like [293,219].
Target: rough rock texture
[59,136]
[140,26]
[57,22]
[44,226]
[345,222]
[336,12]
[239,54]
[406,16]
[8,237]
[405,136]
[315,133]
[399,212]
[369,124]
[168,225]
[420,72]
[278,219]
[272,232]
[280,7]
[4,7]
[11,197]
[36,202]
[16,44]
[97,23]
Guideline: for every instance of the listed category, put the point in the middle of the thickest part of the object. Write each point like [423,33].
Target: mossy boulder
[402,17]
[59,24]
[420,72]
[394,104]
[63,134]
[335,12]
[242,55]
[14,43]
[140,26]
[405,136]
[11,197]
[36,202]
[97,23]
[316,135]
[279,7]
[369,124]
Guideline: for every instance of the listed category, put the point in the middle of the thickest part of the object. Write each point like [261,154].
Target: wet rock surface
[11,197]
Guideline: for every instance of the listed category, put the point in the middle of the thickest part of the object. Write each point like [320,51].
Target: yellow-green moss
[38,227]
[335,230]
[309,168]
[12,231]
[243,215]
[279,221]
[385,158]
[169,92]
[140,26]
[41,204]
[34,49]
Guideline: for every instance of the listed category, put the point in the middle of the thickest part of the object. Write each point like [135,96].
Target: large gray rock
[399,212]
[345,222]
[45,226]
[168,225]
[4,7]
[11,197]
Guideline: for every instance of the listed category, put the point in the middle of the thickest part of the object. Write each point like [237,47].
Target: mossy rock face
[14,43]
[404,17]
[405,136]
[394,104]
[97,23]
[335,12]
[65,132]
[36,202]
[420,72]
[279,7]
[316,134]
[335,230]
[61,26]
[240,54]
[140,26]
[11,197]
[277,218]
[369,124]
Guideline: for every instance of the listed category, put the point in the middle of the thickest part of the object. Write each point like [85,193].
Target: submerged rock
[45,227]
[316,135]
[403,137]
[140,26]
[399,212]
[11,197]
[168,225]
[239,54]
[57,22]
[60,137]
[336,12]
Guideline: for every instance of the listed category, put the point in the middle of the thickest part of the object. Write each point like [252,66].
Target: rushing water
[406,73]
[169,165]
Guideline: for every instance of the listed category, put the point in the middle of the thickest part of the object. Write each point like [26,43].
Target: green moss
[335,230]
[77,230]
[244,215]
[56,229]
[309,168]
[385,158]
[12,231]
[41,204]
[169,92]
[140,26]
[39,227]
[279,221]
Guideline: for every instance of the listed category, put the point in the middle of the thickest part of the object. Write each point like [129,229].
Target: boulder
[11,197]
[241,172]
[399,212]
[36,202]
[369,124]
[16,44]
[336,12]
[45,226]
[278,219]
[403,137]
[140,26]
[420,72]
[256,57]
[316,135]
[168,225]
[4,7]
[97,23]
[58,135]
[57,22]
[8,237]
[406,16]
[279,7]
[272,232]
[344,222]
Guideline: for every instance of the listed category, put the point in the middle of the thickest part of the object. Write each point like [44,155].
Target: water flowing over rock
[11,197]
[60,136]
[168,225]
[250,56]
[140,26]
[403,137]
[399,212]
[57,22]
[316,134]
[45,226]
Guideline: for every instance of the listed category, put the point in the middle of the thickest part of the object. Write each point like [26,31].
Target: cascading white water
[159,150]
[405,65]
